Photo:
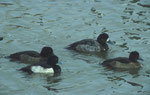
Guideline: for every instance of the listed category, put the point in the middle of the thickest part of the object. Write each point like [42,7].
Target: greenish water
[32,24]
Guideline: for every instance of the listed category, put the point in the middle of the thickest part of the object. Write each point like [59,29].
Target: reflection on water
[147,6]
[114,78]
[52,82]
[6,4]
[134,1]
[135,37]
[130,71]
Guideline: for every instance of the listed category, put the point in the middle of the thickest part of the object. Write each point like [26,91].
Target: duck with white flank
[91,45]
[49,67]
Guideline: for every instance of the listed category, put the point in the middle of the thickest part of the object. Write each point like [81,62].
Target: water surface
[32,24]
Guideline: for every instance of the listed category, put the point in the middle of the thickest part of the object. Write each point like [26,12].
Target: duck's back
[121,63]
[16,56]
[122,60]
[31,60]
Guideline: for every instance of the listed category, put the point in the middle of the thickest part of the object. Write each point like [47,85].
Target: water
[32,24]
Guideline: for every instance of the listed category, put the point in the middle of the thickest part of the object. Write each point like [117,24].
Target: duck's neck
[44,55]
[132,59]
[104,46]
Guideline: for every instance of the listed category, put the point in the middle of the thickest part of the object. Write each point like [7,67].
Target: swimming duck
[49,67]
[91,45]
[123,62]
[31,56]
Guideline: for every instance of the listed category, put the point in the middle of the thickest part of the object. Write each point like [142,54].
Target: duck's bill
[140,59]
[110,42]
[60,62]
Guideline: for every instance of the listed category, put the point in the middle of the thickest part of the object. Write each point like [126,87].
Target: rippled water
[32,24]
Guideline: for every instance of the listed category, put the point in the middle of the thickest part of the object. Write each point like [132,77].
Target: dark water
[32,24]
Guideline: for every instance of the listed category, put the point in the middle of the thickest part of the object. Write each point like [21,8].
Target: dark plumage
[1,38]
[31,56]
[123,62]
[49,67]
[90,45]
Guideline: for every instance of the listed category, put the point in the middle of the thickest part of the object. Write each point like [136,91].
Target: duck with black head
[49,67]
[31,56]
[91,45]
[124,62]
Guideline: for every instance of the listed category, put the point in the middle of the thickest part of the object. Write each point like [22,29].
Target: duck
[30,56]
[91,45]
[45,68]
[124,62]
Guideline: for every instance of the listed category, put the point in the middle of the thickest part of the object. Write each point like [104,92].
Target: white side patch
[88,48]
[39,69]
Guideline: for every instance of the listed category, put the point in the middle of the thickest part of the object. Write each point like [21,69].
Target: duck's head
[46,51]
[52,60]
[103,38]
[134,56]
